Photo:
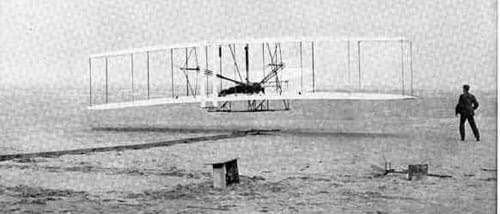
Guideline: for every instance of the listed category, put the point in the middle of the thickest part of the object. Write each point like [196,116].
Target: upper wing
[242,41]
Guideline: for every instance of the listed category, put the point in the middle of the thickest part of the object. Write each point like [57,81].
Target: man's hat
[466,87]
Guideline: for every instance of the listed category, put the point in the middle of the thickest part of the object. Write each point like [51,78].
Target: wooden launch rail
[234,134]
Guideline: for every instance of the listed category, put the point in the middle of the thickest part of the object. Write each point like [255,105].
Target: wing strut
[233,54]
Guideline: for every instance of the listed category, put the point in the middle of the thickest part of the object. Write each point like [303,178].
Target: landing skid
[252,106]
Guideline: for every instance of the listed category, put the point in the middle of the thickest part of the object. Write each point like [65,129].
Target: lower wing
[245,97]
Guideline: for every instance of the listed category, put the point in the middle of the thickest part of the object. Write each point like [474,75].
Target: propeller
[229,79]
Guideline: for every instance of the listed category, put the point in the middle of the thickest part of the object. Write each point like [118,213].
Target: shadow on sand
[162,129]
[341,134]
[296,132]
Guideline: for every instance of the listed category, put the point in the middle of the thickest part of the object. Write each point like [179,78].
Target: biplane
[257,74]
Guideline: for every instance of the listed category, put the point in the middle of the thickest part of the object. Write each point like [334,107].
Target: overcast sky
[47,42]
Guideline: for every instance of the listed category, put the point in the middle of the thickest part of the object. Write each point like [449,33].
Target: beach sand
[324,159]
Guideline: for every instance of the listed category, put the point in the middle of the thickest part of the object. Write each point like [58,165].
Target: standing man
[467,103]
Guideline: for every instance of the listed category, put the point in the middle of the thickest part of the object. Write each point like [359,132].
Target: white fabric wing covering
[243,97]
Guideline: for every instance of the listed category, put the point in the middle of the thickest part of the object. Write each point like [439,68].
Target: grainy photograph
[272,106]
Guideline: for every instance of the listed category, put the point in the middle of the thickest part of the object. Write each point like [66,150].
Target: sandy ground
[283,172]
[330,168]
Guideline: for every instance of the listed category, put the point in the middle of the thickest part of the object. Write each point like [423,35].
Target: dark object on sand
[417,171]
[225,173]
[414,172]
